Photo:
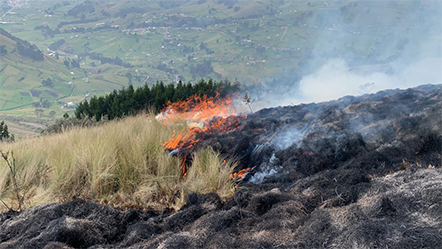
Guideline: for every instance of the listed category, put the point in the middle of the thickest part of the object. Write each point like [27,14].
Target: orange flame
[208,115]
[239,174]
[183,166]
[198,109]
[203,115]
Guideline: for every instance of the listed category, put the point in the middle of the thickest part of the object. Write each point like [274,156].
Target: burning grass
[202,116]
[338,186]
[121,163]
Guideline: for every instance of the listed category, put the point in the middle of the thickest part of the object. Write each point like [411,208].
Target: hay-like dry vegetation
[120,163]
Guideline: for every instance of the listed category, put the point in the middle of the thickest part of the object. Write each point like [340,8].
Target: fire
[183,166]
[196,110]
[179,141]
[204,116]
[240,174]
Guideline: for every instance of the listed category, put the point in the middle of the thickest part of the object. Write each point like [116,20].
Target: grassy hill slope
[121,163]
[37,91]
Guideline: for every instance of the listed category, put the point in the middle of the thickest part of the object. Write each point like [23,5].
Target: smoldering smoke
[388,53]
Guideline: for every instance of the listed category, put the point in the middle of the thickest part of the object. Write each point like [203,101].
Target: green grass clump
[120,163]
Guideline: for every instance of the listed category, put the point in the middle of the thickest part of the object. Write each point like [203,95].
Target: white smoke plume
[336,79]
[360,48]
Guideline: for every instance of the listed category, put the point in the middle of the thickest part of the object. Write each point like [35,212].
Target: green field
[250,41]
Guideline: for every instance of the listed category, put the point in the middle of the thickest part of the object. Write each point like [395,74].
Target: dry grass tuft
[121,163]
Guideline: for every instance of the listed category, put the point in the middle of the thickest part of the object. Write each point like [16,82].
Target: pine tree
[4,132]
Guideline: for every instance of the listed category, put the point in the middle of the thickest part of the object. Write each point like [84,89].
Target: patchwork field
[94,47]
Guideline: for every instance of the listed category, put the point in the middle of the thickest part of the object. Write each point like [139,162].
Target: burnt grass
[358,172]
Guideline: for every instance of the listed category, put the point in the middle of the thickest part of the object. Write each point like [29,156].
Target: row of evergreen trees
[129,101]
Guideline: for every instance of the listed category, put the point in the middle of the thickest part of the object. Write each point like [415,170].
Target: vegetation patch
[120,163]
[129,101]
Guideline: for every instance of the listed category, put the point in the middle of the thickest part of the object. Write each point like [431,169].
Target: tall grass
[121,163]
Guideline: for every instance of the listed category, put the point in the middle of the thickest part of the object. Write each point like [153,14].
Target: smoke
[336,79]
[284,139]
[363,47]
[267,170]
[354,48]
[287,137]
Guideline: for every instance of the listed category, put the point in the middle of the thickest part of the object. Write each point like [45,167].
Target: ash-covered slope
[354,173]
[377,133]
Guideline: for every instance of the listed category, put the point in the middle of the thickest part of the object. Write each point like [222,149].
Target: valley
[93,47]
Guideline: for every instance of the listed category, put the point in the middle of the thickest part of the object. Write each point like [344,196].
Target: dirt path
[285,31]
[1,18]
[72,91]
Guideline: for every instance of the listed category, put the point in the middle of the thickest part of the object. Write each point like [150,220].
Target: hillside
[22,68]
[35,88]
[274,43]
[221,124]
[354,172]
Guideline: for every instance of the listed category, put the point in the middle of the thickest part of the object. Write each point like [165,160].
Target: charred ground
[375,133]
[356,172]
